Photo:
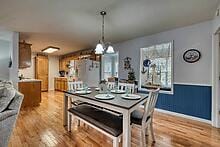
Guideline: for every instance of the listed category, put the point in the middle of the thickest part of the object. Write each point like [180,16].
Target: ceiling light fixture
[50,49]
[102,46]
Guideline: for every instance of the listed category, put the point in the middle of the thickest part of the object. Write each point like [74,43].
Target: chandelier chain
[103,27]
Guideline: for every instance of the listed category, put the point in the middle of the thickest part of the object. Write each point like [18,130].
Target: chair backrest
[75,85]
[110,85]
[150,104]
[124,86]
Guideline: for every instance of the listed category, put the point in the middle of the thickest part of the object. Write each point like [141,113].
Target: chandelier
[103,47]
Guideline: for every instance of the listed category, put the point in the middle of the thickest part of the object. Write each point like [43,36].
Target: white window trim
[172,70]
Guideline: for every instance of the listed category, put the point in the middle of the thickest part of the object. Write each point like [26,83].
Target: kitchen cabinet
[24,55]
[41,71]
[60,83]
[31,89]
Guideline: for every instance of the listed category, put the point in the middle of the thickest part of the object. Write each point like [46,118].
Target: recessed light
[50,49]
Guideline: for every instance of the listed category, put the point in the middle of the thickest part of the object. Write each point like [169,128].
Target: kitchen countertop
[30,80]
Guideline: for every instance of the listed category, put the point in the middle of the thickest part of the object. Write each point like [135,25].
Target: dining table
[118,104]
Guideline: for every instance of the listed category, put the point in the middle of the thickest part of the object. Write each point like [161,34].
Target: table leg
[65,107]
[126,130]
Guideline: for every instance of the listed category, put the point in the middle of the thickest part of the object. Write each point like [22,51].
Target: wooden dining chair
[143,119]
[124,86]
[111,85]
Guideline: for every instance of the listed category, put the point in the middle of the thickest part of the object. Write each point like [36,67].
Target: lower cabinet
[31,91]
[60,83]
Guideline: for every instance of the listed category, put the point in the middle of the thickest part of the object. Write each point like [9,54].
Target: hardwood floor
[42,126]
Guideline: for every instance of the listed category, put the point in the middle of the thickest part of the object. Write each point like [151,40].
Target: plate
[130,96]
[118,91]
[104,96]
[97,89]
[81,89]
[83,92]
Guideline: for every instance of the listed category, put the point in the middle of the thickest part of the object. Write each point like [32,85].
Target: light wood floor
[42,126]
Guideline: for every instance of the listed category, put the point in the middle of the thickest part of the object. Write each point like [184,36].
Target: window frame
[172,68]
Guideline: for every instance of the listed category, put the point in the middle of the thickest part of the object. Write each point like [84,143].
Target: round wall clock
[191,55]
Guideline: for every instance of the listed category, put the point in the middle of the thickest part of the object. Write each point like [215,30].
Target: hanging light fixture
[102,46]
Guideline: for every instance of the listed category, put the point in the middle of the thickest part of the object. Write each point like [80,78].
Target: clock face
[191,55]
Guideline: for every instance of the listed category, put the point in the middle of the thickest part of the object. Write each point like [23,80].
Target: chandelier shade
[99,49]
[102,47]
[110,50]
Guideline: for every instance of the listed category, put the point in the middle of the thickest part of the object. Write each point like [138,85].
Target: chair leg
[143,137]
[115,142]
[152,131]
[69,122]
[146,132]
[78,122]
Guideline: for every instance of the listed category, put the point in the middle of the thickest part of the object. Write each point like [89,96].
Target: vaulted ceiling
[76,24]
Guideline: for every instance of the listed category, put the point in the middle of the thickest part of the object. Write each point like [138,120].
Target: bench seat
[110,123]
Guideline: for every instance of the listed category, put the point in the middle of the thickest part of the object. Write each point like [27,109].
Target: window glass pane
[159,72]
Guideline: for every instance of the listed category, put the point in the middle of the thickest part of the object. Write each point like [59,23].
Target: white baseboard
[184,116]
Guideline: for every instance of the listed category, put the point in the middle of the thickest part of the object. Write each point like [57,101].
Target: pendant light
[102,46]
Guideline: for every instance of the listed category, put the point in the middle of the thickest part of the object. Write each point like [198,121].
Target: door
[41,71]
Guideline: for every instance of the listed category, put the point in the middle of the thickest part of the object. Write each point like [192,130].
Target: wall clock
[191,55]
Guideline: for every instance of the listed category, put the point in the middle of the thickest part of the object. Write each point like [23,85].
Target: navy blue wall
[191,100]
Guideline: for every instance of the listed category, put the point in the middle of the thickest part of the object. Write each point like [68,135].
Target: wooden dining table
[118,104]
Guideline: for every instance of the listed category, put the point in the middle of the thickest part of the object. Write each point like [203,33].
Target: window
[109,66]
[156,67]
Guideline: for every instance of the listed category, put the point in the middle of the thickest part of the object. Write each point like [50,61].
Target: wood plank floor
[42,126]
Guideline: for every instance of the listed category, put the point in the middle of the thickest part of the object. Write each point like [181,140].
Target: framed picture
[191,55]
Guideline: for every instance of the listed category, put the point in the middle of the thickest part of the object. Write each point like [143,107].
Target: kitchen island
[31,88]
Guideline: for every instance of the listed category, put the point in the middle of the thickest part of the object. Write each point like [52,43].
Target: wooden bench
[106,123]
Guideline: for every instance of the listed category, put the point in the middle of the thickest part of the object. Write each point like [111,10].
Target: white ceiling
[76,24]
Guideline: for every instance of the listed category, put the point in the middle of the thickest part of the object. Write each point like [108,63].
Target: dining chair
[111,85]
[143,119]
[124,86]
[75,85]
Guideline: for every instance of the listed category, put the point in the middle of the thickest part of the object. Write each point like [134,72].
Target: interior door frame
[215,79]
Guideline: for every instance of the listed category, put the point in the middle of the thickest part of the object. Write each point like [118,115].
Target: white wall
[13,71]
[196,36]
[9,48]
[4,59]
[53,70]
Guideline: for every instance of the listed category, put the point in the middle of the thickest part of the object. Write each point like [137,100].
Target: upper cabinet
[24,55]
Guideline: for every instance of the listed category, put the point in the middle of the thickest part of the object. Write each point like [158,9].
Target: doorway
[109,66]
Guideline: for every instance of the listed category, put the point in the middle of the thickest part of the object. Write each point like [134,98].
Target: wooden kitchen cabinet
[24,55]
[31,89]
[60,83]
[41,71]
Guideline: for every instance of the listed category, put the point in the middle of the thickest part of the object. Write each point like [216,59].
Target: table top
[118,101]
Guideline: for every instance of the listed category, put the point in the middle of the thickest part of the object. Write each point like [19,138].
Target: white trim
[193,84]
[215,81]
[184,116]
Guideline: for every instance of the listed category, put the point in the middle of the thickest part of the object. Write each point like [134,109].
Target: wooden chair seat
[103,120]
